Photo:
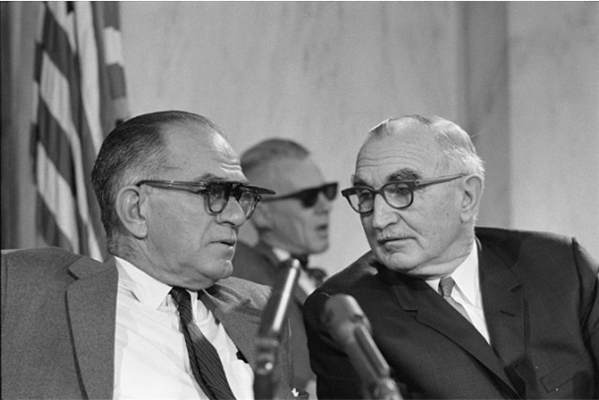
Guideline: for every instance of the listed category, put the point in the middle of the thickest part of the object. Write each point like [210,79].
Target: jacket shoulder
[527,247]
[39,263]
[253,264]
[240,290]
[363,268]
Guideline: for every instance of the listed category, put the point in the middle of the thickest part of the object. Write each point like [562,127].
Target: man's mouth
[390,239]
[322,228]
[228,242]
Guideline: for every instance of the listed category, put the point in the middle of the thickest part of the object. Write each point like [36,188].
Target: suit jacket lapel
[240,321]
[430,309]
[503,305]
[92,311]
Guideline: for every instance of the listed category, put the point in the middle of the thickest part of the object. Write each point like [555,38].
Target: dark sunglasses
[309,196]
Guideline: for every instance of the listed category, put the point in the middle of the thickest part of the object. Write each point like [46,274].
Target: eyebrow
[401,175]
[213,178]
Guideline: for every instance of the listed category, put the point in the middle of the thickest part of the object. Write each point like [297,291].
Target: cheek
[368,229]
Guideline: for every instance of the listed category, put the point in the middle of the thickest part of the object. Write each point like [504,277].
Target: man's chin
[399,262]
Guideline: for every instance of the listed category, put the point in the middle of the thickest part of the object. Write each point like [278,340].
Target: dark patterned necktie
[205,363]
[445,288]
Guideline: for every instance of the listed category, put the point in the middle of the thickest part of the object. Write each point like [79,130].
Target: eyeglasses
[398,194]
[217,193]
[309,196]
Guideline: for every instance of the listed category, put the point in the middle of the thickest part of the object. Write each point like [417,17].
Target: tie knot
[446,286]
[317,274]
[183,300]
[302,258]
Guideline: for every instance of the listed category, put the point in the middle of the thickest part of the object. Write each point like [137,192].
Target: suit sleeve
[335,376]
[588,269]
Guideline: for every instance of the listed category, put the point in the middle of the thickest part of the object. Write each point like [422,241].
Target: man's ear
[130,211]
[261,216]
[471,196]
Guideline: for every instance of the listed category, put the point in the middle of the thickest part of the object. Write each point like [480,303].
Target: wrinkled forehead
[195,150]
[405,154]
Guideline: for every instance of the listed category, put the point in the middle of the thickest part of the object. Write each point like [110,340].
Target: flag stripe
[56,146]
[56,43]
[56,193]
[48,227]
[71,116]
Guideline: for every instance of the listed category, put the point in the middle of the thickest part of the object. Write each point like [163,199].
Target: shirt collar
[148,290]
[281,254]
[466,278]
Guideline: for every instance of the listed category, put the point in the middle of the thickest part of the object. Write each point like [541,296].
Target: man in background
[457,311]
[294,223]
[159,318]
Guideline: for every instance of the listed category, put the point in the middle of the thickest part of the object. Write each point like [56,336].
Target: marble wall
[554,118]
[521,77]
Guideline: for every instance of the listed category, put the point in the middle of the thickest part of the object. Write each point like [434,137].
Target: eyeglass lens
[398,195]
[309,197]
[219,193]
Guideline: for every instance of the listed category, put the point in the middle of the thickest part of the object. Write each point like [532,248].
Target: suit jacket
[58,324]
[541,304]
[259,264]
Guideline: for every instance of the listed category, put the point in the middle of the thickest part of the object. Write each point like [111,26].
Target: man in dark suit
[294,223]
[172,196]
[456,311]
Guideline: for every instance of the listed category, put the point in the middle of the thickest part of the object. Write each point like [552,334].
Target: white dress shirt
[151,359]
[467,291]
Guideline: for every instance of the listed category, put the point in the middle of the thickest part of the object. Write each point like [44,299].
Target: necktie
[205,363]
[445,287]
[317,275]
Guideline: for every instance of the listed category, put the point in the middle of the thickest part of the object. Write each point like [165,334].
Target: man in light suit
[172,196]
[456,311]
[295,223]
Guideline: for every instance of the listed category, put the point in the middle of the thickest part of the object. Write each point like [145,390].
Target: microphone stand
[270,331]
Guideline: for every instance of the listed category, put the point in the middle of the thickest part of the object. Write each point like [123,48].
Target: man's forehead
[202,153]
[406,155]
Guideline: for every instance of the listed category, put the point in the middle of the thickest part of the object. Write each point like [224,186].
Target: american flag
[79,97]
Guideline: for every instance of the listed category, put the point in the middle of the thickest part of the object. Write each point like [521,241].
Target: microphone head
[341,316]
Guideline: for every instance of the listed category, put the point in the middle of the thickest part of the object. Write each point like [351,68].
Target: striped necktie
[205,363]
[445,288]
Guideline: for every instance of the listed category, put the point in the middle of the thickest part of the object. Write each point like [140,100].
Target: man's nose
[383,214]
[323,204]
[233,213]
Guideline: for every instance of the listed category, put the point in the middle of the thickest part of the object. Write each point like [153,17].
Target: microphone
[349,327]
[271,327]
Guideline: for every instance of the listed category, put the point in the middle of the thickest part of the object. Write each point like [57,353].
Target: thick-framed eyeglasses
[398,194]
[217,193]
[309,196]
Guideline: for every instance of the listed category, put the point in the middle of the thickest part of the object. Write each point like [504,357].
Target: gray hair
[263,153]
[453,141]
